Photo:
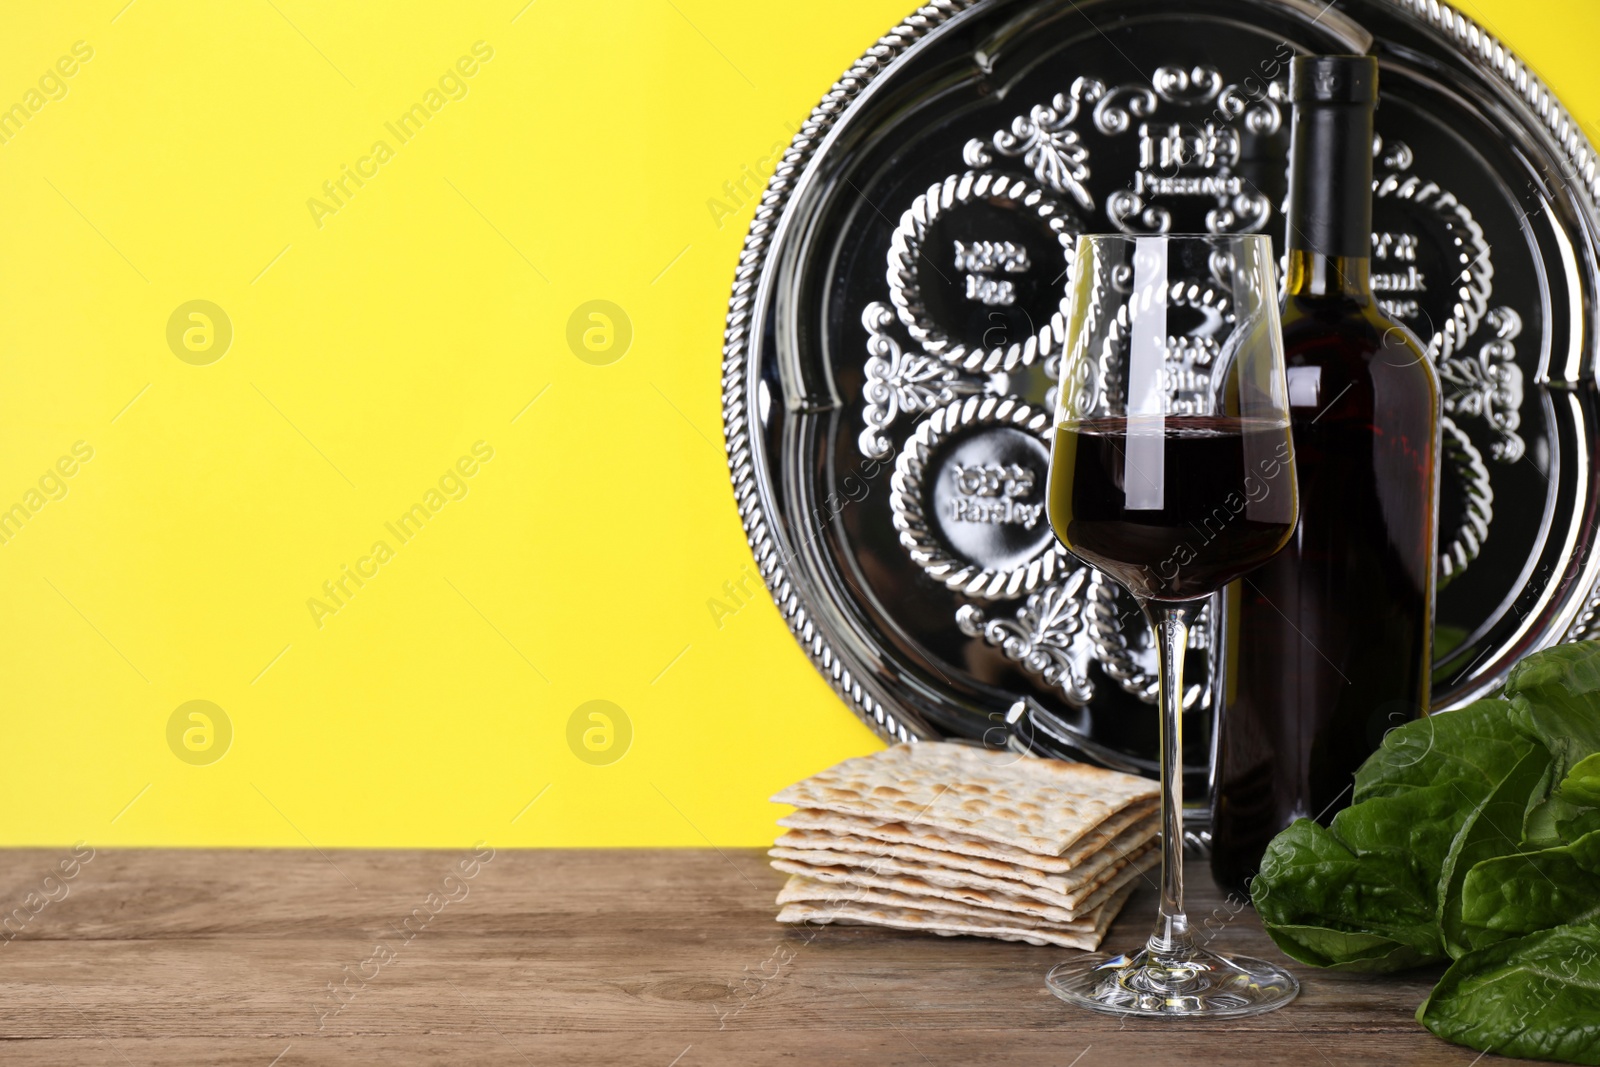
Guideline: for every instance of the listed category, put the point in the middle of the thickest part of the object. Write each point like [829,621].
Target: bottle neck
[1311,274]
[1329,236]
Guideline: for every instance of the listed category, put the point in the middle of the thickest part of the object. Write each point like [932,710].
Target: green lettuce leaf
[1345,950]
[1473,834]
[1585,821]
[1519,894]
[1379,870]
[1472,748]
[1581,786]
[1493,829]
[1551,822]
[1310,880]
[1557,692]
[1536,997]
[1573,806]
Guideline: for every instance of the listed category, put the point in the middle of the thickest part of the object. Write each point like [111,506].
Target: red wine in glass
[1215,517]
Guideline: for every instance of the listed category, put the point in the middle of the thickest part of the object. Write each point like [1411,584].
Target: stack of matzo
[956,839]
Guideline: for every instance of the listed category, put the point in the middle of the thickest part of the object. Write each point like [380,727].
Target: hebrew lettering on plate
[978,261]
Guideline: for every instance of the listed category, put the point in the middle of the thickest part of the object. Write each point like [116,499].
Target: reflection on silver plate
[893,333]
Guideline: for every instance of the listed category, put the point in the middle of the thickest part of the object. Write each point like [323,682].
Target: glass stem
[1171,939]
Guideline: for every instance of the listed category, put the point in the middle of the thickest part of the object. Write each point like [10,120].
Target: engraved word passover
[1172,148]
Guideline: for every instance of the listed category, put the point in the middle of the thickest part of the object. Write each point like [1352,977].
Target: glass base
[1201,984]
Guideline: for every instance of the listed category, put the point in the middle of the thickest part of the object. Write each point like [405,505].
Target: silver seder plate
[896,319]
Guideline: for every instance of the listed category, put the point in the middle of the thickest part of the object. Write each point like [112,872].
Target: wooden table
[652,958]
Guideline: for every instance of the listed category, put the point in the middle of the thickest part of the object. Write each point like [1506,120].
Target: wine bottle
[1330,644]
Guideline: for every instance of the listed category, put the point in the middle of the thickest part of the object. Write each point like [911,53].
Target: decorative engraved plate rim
[1467,36]
[906,502]
[736,415]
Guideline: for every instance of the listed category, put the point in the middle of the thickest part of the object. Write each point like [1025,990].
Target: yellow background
[369,353]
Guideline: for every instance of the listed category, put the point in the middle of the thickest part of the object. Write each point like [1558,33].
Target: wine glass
[1173,472]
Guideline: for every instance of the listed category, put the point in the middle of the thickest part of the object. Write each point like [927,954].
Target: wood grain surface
[653,958]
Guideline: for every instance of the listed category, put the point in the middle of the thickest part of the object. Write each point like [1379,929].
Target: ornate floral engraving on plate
[893,340]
